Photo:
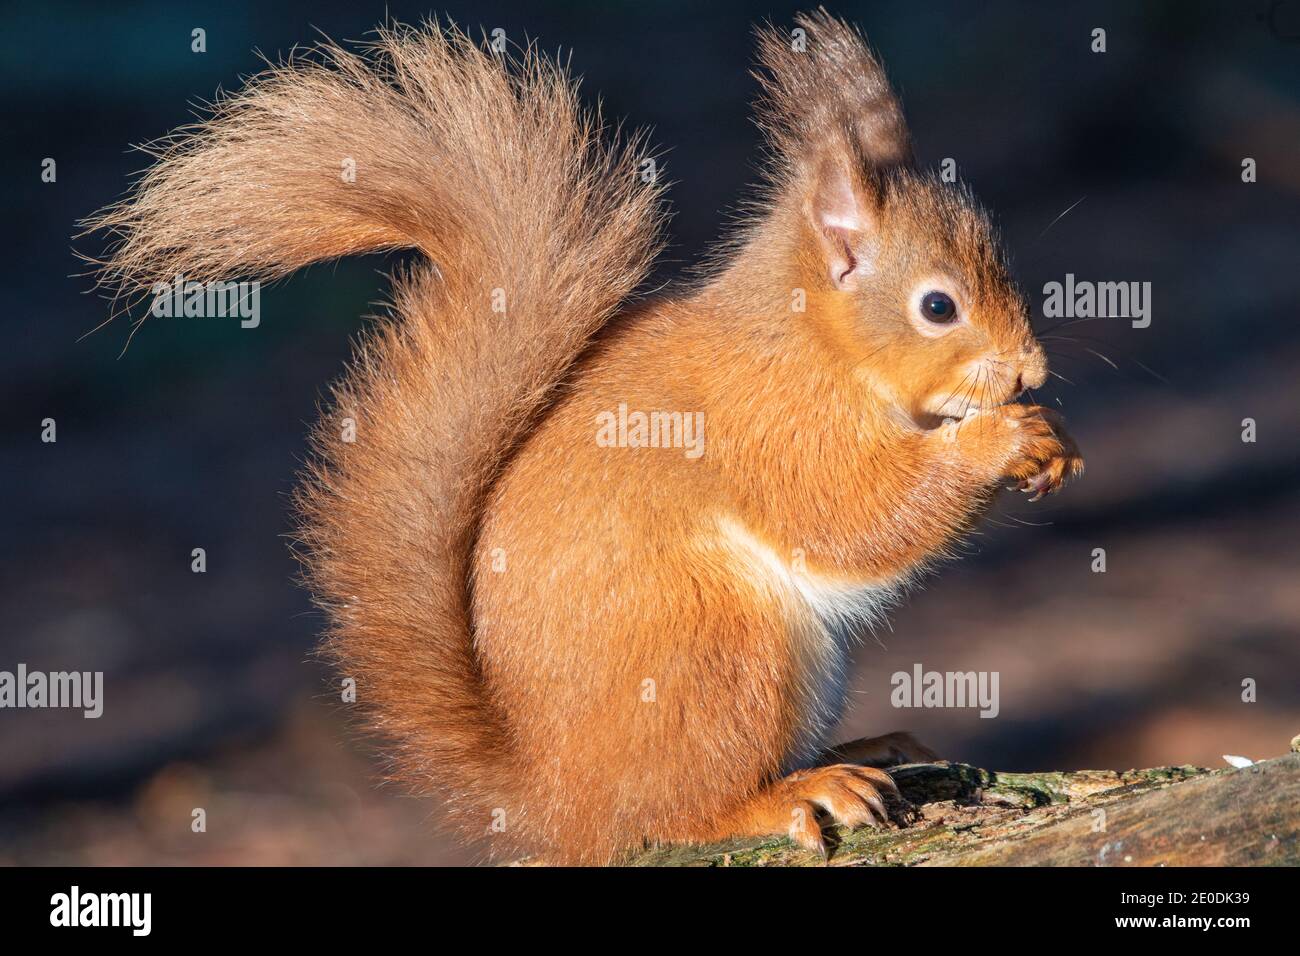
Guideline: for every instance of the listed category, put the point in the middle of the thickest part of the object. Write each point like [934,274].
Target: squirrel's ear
[842,219]
[820,80]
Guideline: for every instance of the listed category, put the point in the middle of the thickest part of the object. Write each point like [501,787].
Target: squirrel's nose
[1033,372]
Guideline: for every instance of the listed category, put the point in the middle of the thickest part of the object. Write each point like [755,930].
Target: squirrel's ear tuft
[843,220]
[820,80]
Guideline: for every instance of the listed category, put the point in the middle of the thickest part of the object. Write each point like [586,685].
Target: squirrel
[586,646]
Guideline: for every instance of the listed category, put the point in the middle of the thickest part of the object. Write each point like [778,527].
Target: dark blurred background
[192,437]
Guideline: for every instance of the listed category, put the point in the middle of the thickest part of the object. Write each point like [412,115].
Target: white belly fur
[826,618]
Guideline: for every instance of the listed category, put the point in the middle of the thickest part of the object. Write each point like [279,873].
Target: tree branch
[966,816]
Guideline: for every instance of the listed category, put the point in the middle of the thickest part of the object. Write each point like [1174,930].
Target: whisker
[870,355]
[1060,217]
[989,519]
[956,390]
[1156,375]
[1031,524]
[1087,318]
[1077,339]
[1104,358]
[969,394]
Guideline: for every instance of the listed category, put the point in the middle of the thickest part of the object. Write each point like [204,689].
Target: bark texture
[967,816]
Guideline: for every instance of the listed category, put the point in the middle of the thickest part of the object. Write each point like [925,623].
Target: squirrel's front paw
[1045,455]
[848,795]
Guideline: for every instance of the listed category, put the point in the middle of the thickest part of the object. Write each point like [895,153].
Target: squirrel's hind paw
[887,750]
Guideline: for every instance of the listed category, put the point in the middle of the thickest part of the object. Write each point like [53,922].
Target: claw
[878,808]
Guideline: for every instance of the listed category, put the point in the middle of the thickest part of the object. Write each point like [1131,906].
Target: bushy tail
[535,232]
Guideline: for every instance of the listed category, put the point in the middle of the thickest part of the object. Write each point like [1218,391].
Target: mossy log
[965,816]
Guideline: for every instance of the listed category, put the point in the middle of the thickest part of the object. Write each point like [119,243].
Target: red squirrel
[585,632]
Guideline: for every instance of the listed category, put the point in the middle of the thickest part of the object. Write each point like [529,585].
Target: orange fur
[602,646]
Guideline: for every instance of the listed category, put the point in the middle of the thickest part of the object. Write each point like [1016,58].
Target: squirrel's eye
[939,307]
